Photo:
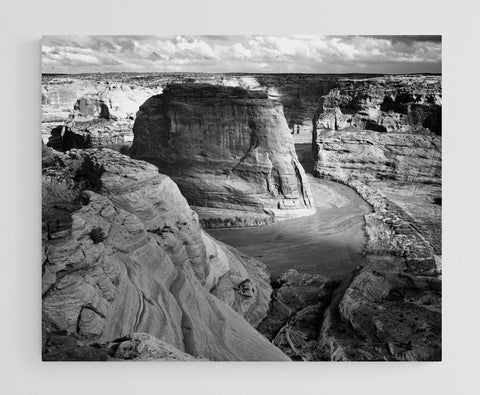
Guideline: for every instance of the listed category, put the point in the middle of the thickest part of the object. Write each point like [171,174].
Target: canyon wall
[380,128]
[87,114]
[382,137]
[123,253]
[228,149]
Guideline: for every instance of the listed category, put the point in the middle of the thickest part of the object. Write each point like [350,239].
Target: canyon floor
[329,243]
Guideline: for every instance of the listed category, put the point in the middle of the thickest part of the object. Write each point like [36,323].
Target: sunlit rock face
[112,102]
[402,104]
[228,149]
[124,253]
[371,156]
[380,128]
[96,115]
[58,98]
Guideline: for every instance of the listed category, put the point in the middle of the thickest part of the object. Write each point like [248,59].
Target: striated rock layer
[380,128]
[229,150]
[61,346]
[124,253]
[371,156]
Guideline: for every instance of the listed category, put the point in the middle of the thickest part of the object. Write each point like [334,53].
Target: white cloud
[241,53]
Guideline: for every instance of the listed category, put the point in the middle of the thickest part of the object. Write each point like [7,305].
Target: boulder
[296,312]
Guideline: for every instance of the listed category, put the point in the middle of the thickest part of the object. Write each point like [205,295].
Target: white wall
[22,22]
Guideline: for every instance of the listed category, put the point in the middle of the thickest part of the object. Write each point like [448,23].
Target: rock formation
[92,133]
[113,102]
[228,149]
[381,136]
[390,309]
[61,346]
[124,253]
[380,128]
[97,115]
[387,309]
[371,156]
[58,98]
[296,310]
[385,313]
[128,273]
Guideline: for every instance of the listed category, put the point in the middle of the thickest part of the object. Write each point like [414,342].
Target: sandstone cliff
[58,98]
[97,115]
[380,128]
[124,253]
[228,149]
[406,104]
[382,137]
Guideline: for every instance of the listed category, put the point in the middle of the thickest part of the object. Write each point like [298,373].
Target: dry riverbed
[330,242]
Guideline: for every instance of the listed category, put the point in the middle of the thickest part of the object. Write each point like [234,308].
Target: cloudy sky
[267,54]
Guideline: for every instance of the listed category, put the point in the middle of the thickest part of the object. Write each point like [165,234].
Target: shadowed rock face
[61,346]
[229,150]
[123,253]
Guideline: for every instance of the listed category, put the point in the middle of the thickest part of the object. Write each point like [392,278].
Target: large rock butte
[228,149]
[124,253]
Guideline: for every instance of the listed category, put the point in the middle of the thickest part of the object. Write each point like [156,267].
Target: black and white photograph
[239,197]
[242,198]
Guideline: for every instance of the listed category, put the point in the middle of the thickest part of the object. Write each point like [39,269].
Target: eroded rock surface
[382,138]
[62,346]
[386,313]
[405,104]
[380,128]
[296,310]
[227,148]
[93,114]
[124,253]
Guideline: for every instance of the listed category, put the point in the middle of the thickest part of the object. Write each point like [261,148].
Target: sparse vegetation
[90,173]
[97,235]
[119,147]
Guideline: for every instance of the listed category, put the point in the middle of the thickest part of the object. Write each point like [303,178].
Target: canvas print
[241,198]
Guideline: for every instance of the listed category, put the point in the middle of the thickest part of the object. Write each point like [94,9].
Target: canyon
[246,217]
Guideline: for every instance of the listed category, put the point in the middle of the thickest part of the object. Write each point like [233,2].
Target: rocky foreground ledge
[387,309]
[124,254]
[229,150]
